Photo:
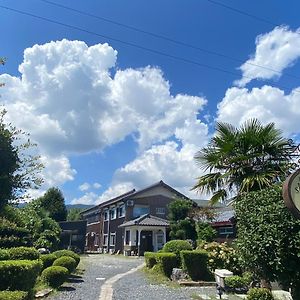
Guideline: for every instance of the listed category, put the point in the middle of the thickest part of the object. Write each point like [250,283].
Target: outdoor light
[220,290]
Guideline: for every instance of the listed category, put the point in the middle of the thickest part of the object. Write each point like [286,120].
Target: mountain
[81,206]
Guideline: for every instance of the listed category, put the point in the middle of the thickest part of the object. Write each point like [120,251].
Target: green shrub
[236,282]
[259,294]
[67,262]
[13,295]
[27,253]
[19,274]
[176,246]
[55,276]
[195,263]
[4,254]
[221,256]
[47,260]
[166,262]
[69,253]
[150,259]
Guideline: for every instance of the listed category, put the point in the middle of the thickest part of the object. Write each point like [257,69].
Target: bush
[150,259]
[55,276]
[221,256]
[234,283]
[27,253]
[67,262]
[13,295]
[4,254]
[259,294]
[47,260]
[166,262]
[19,275]
[195,263]
[69,253]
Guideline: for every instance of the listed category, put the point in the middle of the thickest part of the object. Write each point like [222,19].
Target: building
[131,223]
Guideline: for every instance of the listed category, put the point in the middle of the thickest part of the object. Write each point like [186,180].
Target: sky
[121,94]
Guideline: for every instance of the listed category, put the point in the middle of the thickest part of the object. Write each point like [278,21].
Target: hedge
[195,263]
[48,260]
[67,262]
[27,253]
[176,246]
[19,275]
[166,262]
[69,253]
[4,254]
[259,294]
[150,259]
[55,276]
[236,282]
[13,295]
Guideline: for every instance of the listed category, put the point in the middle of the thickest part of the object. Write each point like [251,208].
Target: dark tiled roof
[224,215]
[146,220]
[205,203]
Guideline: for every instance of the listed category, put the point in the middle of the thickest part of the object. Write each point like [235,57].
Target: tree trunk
[265,283]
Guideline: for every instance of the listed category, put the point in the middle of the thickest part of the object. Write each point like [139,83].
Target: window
[92,219]
[160,210]
[96,241]
[105,239]
[77,237]
[105,215]
[226,230]
[127,237]
[139,210]
[113,213]
[121,211]
[112,239]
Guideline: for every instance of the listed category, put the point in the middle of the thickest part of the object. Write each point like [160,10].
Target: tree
[243,159]
[269,237]
[19,170]
[53,202]
[179,209]
[74,214]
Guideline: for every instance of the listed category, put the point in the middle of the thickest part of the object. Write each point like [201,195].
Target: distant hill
[81,206]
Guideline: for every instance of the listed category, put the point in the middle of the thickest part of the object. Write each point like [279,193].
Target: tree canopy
[53,202]
[243,159]
[19,169]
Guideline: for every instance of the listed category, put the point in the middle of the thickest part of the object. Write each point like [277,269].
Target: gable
[154,191]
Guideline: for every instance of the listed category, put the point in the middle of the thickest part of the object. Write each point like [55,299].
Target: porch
[146,233]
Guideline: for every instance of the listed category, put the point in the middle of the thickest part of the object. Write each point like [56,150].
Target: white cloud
[96,185]
[84,187]
[88,199]
[275,50]
[268,104]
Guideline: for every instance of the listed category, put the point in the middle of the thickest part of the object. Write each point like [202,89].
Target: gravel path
[96,266]
[137,287]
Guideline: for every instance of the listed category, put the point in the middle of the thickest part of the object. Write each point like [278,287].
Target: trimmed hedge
[175,246]
[67,262]
[48,260]
[150,259]
[19,275]
[4,254]
[55,276]
[13,295]
[69,253]
[237,282]
[259,294]
[195,263]
[166,262]
[27,253]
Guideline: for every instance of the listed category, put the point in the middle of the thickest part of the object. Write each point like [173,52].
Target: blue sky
[108,116]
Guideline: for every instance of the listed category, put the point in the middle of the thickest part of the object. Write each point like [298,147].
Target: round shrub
[19,274]
[4,254]
[175,246]
[55,276]
[69,253]
[27,253]
[47,260]
[13,295]
[259,294]
[67,262]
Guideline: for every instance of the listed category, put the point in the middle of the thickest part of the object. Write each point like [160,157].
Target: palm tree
[243,159]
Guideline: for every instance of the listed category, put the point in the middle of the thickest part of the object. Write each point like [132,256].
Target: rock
[178,274]
[43,250]
[43,293]
[282,295]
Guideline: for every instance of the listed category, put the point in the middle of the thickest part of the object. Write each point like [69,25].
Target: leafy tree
[179,209]
[243,159]
[53,202]
[19,170]
[269,237]
[74,214]
[205,232]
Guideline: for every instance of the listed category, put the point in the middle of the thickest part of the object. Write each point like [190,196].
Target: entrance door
[146,242]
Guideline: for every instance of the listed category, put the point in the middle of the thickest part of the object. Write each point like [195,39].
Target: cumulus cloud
[84,187]
[96,185]
[69,101]
[88,199]
[275,50]
[268,104]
